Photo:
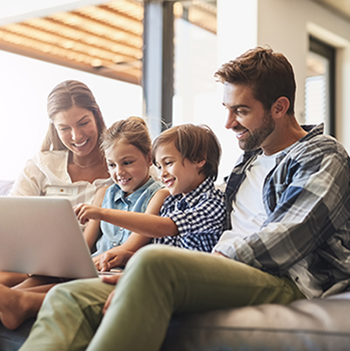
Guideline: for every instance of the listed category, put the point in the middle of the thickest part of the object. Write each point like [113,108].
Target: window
[195,61]
[320,85]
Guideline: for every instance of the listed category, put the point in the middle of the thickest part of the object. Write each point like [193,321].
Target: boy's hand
[85,212]
[108,302]
[110,279]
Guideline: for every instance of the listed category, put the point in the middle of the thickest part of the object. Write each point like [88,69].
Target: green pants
[158,282]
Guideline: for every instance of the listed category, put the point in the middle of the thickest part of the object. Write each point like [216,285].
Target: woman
[70,162]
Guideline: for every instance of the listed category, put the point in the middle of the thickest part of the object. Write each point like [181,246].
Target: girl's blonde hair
[62,98]
[132,130]
[194,142]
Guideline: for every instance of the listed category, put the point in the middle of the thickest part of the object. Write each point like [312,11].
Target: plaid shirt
[199,217]
[306,235]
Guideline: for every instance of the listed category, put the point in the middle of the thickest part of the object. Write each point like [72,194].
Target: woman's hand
[85,212]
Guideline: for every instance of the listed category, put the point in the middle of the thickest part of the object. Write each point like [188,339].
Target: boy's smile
[178,174]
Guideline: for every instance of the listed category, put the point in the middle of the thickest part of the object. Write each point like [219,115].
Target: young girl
[127,147]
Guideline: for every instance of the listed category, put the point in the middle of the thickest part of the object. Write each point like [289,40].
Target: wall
[294,21]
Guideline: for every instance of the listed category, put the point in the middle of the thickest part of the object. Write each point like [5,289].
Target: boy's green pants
[158,282]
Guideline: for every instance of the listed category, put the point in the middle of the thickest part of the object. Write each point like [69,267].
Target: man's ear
[280,106]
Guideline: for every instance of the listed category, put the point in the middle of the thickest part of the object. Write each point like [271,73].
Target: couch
[319,324]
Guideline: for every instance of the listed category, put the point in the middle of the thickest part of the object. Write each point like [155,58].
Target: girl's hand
[85,212]
[115,257]
[96,261]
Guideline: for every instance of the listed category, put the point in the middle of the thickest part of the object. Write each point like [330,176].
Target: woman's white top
[46,174]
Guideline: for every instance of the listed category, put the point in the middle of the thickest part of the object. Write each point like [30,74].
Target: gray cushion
[11,340]
[320,324]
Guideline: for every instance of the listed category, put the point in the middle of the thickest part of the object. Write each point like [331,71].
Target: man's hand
[85,212]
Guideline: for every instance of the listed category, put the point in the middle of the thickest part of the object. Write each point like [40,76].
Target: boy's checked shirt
[199,216]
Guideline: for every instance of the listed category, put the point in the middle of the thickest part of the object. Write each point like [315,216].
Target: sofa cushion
[12,340]
[319,324]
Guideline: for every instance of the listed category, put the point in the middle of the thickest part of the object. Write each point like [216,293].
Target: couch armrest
[5,187]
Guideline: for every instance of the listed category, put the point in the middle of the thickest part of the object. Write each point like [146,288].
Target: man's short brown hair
[194,142]
[267,73]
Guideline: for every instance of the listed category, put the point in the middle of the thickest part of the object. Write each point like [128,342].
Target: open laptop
[41,235]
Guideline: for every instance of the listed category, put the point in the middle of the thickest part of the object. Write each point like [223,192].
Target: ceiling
[340,7]
[105,39]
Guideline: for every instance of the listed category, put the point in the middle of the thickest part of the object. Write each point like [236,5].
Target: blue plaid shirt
[199,217]
[306,235]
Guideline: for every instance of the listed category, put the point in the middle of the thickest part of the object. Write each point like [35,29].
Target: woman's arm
[29,182]
[92,230]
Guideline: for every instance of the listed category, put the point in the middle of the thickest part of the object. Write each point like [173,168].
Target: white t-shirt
[46,174]
[248,212]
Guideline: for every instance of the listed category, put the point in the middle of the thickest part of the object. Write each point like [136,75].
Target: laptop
[41,235]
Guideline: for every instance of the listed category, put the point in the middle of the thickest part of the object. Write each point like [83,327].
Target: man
[288,203]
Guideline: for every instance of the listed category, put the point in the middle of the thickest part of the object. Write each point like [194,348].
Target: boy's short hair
[269,74]
[194,142]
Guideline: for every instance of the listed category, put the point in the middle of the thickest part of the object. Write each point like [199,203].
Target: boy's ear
[200,164]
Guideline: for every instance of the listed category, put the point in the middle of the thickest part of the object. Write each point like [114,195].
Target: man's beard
[258,136]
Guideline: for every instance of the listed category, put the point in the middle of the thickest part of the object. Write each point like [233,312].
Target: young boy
[193,216]
[188,158]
